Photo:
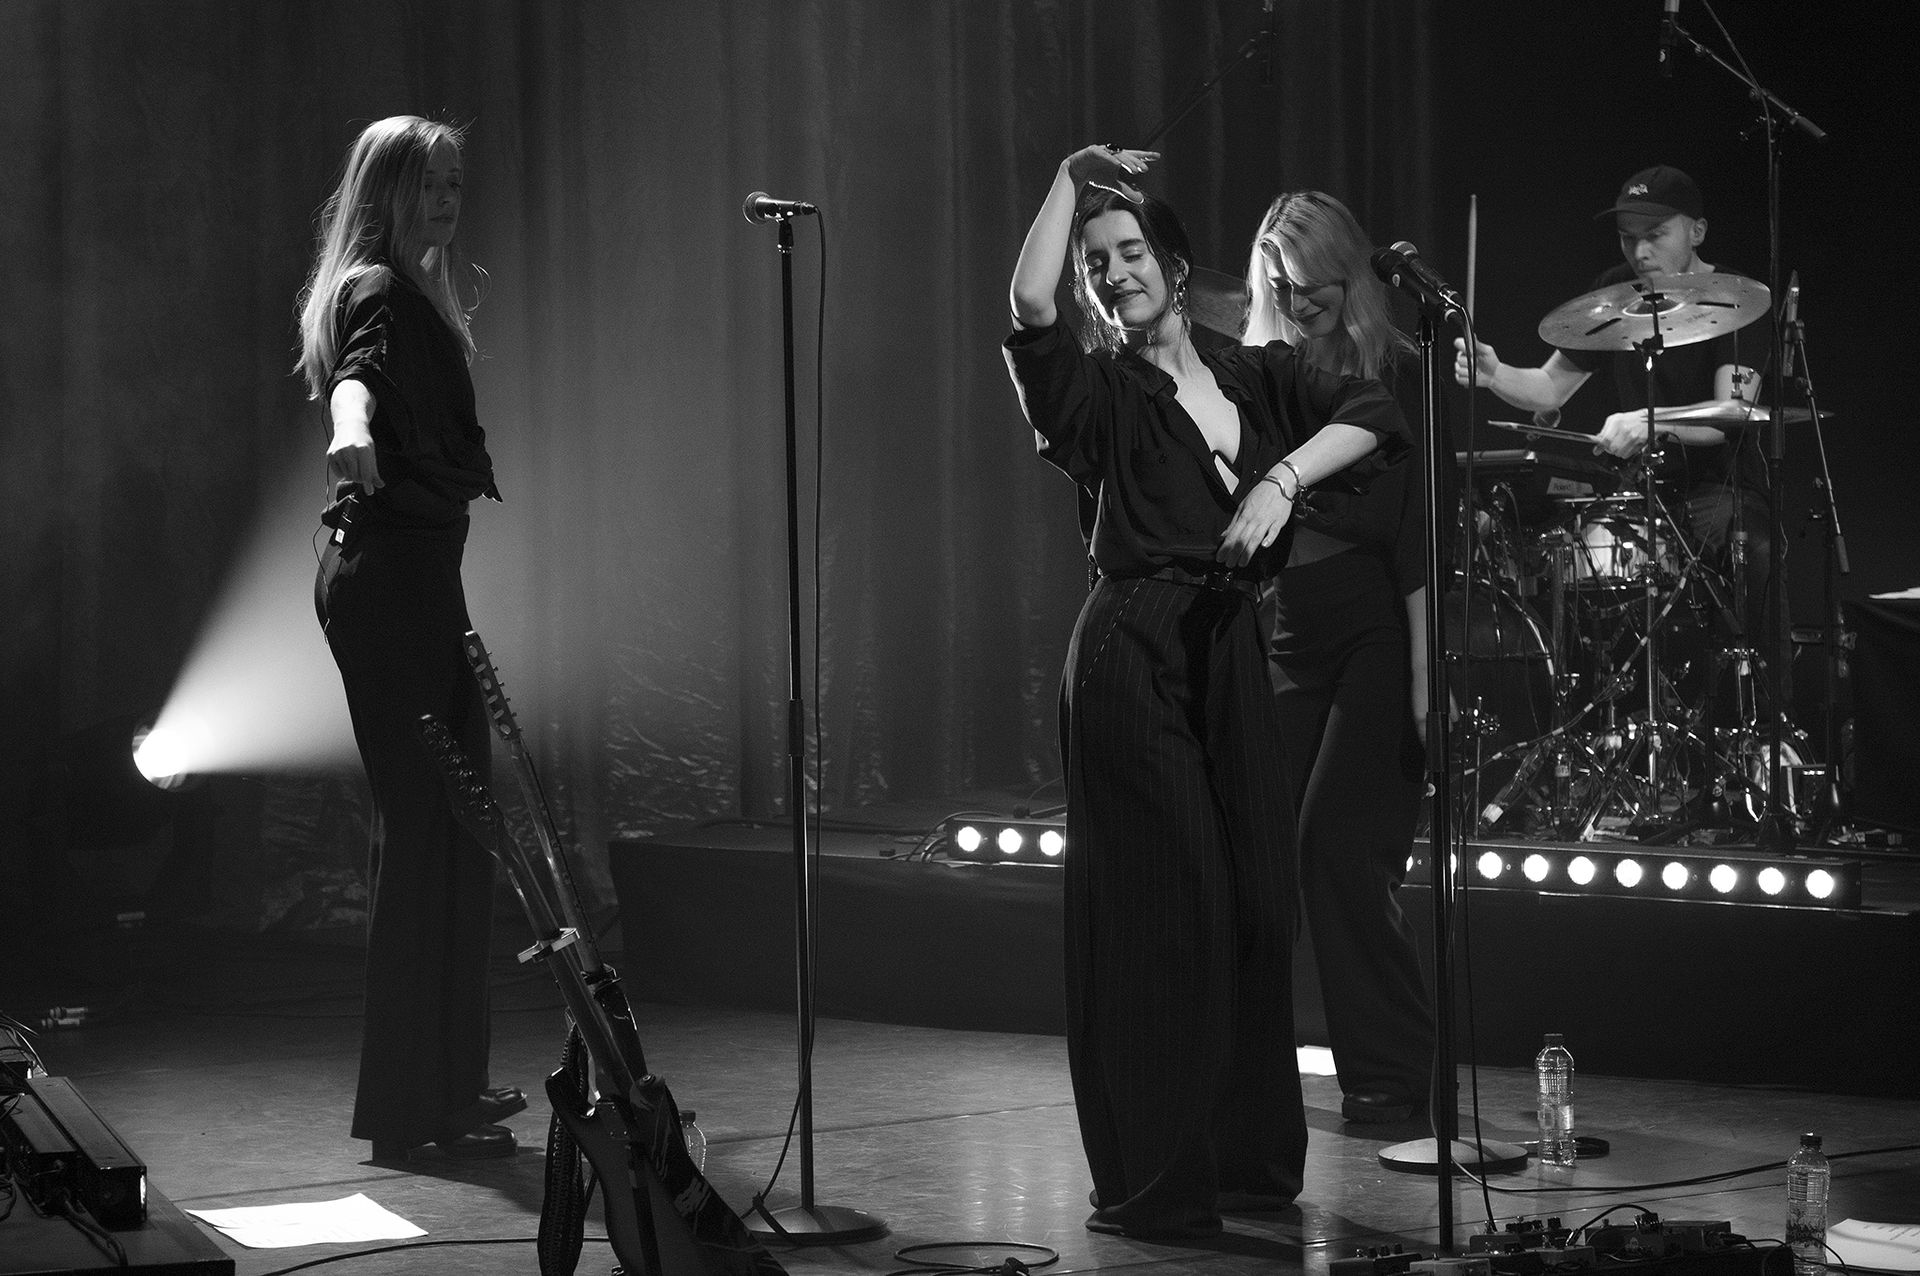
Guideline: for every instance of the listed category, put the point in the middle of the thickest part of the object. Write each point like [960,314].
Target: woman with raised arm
[1349,650]
[385,345]
[1180,861]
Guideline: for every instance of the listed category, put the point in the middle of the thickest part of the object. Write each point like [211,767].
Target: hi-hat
[1690,308]
[1713,413]
[1217,301]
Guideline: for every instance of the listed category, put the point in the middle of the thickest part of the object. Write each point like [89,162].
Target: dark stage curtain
[162,161]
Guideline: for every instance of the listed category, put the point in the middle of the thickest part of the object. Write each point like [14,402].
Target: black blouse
[426,433]
[1114,426]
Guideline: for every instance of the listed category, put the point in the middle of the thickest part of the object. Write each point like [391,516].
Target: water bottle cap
[1555,1039]
[1809,1140]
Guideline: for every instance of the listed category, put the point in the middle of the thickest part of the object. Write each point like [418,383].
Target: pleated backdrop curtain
[163,161]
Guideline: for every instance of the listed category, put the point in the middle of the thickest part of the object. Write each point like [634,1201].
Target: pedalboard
[1648,1246]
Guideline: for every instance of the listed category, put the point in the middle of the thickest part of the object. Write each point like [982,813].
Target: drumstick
[1473,246]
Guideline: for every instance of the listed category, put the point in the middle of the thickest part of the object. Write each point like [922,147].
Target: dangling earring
[1180,296]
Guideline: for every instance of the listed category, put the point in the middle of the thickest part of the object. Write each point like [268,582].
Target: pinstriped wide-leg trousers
[1180,881]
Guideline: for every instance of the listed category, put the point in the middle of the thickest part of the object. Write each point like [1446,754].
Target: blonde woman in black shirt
[385,346]
[1348,635]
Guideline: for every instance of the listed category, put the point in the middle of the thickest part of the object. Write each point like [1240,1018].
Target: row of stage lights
[1807,883]
[1745,879]
[993,841]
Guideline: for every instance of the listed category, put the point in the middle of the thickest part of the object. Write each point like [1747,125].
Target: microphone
[1790,327]
[1668,37]
[762,207]
[1401,267]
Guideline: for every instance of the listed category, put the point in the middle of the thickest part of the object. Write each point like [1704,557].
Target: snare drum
[1612,551]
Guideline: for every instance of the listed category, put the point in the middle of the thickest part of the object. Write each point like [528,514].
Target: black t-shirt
[1389,517]
[1113,425]
[426,433]
[1682,375]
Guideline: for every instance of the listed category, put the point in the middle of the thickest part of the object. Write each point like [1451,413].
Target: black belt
[1219,578]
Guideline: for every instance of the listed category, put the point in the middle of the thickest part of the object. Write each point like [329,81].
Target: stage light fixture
[973,839]
[1802,881]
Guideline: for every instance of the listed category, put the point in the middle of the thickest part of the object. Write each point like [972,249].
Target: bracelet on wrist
[1270,476]
[1299,484]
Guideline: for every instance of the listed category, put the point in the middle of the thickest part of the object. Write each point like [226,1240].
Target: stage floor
[227,1063]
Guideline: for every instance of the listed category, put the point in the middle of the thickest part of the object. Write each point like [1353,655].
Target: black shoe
[475,1145]
[1377,1107]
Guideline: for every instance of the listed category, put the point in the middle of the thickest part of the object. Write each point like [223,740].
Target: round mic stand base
[815,1225]
[1422,1156]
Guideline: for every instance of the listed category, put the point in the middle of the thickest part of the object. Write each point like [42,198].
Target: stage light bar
[992,840]
[1744,877]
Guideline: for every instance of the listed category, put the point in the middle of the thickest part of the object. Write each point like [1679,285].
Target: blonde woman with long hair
[384,345]
[1348,646]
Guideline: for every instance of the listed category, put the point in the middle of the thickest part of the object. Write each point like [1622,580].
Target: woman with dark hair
[1348,644]
[1180,861]
[385,344]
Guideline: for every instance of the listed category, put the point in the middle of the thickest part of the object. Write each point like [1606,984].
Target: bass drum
[1501,677]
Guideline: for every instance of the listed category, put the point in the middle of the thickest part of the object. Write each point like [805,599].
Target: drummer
[1715,467]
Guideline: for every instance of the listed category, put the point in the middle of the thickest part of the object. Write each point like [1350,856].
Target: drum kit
[1602,685]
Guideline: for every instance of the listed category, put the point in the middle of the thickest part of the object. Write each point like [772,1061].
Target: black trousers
[1341,681]
[1179,916]
[394,613]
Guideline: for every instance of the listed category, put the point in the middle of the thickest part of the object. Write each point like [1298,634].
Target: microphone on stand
[1668,38]
[1789,327]
[1401,267]
[762,207]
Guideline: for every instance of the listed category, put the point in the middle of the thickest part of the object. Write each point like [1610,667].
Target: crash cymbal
[1217,301]
[1691,308]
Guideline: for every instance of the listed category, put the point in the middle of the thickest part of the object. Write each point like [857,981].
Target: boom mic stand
[1775,833]
[806,1223]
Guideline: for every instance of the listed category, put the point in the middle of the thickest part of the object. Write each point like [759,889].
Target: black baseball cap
[1660,191]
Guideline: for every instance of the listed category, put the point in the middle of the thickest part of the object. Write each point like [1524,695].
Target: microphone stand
[1775,832]
[1440,1154]
[807,1223]
[1834,564]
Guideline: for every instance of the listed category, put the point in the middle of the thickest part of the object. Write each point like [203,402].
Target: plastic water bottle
[1807,1177]
[695,1139]
[1554,1068]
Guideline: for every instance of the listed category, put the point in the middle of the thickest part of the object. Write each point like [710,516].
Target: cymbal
[1691,308]
[1217,300]
[1711,414]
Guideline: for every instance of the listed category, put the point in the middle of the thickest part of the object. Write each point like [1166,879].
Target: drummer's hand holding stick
[1530,388]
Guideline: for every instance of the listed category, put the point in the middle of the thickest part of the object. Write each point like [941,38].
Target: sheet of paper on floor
[349,1220]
